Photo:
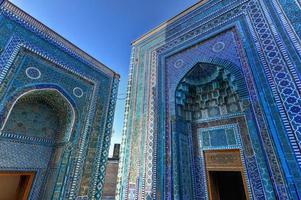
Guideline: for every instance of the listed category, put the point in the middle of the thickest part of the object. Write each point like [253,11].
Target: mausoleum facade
[56,112]
[214,105]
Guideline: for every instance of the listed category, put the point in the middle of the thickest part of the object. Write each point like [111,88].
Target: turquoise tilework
[35,59]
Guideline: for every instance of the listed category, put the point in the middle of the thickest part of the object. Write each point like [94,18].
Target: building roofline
[57,38]
[171,20]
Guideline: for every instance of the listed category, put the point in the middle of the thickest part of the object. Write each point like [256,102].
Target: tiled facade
[225,74]
[56,109]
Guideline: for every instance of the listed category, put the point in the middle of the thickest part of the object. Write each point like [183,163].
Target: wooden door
[15,185]
[225,177]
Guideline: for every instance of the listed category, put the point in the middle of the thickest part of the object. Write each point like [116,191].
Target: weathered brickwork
[110,179]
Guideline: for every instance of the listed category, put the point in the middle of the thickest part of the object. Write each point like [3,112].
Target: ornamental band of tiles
[222,76]
[56,109]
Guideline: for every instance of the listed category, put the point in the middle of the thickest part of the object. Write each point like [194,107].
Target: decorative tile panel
[256,41]
[34,59]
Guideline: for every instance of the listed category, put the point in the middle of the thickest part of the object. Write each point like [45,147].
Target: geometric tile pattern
[283,78]
[258,43]
[50,75]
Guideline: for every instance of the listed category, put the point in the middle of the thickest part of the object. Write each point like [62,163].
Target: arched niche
[43,114]
[207,93]
[44,117]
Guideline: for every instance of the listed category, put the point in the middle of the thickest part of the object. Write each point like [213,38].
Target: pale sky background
[105,29]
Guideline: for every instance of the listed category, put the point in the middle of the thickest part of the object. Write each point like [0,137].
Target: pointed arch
[52,100]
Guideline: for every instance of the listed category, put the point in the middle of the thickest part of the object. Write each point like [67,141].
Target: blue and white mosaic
[56,108]
[258,44]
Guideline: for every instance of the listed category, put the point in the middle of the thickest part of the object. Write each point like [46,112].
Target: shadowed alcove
[42,114]
[208,92]
[46,118]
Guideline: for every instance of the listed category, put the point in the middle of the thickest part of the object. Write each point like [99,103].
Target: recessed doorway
[225,175]
[15,185]
[226,185]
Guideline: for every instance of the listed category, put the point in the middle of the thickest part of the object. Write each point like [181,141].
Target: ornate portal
[56,113]
[225,175]
[214,101]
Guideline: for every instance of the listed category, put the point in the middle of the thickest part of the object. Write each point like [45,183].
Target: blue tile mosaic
[53,99]
[254,47]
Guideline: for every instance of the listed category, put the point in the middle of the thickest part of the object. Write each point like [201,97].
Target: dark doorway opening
[15,186]
[226,185]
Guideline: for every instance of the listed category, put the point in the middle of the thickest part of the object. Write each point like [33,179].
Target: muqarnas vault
[56,113]
[213,108]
